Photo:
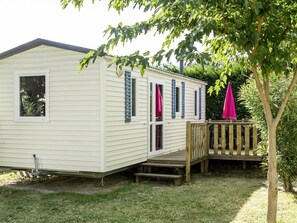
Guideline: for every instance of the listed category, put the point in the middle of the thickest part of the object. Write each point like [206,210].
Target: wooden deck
[218,140]
[227,156]
[179,157]
[214,140]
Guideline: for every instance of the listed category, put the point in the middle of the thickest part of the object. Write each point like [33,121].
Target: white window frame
[196,91]
[178,113]
[136,78]
[17,76]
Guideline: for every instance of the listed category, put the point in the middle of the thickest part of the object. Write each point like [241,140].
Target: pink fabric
[229,111]
[159,103]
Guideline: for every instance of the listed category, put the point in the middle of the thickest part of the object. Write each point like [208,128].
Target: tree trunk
[272,175]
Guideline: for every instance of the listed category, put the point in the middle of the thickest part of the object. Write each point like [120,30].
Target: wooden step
[176,178]
[169,165]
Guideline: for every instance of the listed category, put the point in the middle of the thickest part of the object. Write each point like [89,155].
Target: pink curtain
[229,111]
[159,103]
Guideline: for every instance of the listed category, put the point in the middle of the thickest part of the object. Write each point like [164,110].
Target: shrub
[286,131]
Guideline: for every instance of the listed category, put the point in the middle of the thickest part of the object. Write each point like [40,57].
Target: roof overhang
[38,42]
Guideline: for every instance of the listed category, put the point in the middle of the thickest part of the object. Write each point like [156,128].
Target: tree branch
[223,18]
[266,86]
[286,98]
[259,27]
[262,95]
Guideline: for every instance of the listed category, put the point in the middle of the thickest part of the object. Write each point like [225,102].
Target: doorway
[156,117]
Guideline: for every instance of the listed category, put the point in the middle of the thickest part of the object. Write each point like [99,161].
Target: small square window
[31,96]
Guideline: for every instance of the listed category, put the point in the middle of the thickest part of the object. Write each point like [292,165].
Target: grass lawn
[206,199]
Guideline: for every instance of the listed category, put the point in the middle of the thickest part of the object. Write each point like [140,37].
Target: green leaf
[146,8]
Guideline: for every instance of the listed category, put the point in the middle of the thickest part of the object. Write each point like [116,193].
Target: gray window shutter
[128,84]
[173,99]
[200,104]
[183,99]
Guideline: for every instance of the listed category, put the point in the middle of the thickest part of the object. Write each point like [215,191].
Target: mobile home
[90,121]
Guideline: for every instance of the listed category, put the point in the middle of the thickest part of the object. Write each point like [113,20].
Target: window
[134,97]
[177,99]
[31,96]
[183,99]
[197,104]
[178,93]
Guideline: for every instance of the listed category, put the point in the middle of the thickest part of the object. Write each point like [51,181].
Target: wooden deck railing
[233,138]
[197,145]
[220,140]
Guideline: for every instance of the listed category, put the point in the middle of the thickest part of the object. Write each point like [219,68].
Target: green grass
[206,199]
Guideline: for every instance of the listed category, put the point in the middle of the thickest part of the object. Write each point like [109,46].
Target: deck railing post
[188,152]
[206,148]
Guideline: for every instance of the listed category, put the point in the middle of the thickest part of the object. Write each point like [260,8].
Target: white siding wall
[175,129]
[127,143]
[70,140]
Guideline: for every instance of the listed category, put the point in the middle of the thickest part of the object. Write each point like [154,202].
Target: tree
[215,102]
[286,130]
[259,35]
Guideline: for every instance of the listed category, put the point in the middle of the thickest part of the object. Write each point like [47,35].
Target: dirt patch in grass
[56,184]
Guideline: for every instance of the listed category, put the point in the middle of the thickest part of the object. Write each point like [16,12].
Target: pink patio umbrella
[229,111]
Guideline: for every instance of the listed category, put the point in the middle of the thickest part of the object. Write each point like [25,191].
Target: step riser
[146,171]
[177,178]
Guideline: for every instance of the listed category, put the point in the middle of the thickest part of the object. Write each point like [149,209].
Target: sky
[26,20]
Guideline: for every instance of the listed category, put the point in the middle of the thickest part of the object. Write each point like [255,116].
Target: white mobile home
[92,121]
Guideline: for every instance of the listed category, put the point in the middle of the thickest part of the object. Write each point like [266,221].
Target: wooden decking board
[180,157]
[169,165]
[227,156]
[234,157]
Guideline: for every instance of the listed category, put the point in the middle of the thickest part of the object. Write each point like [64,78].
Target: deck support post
[188,152]
[202,167]
[244,165]
[206,166]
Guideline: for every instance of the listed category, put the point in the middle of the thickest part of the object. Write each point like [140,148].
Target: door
[156,117]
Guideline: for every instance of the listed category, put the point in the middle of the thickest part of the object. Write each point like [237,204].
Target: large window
[31,96]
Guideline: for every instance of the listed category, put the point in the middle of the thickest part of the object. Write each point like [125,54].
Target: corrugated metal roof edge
[39,41]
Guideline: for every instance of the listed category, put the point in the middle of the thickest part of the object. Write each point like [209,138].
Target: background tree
[286,130]
[259,35]
[215,102]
